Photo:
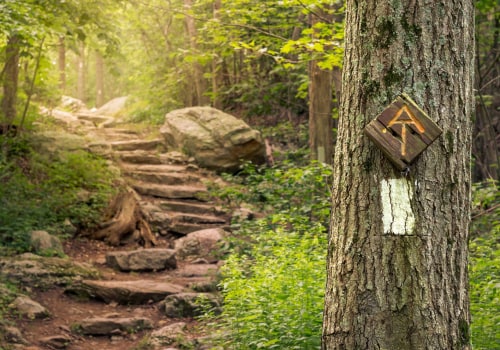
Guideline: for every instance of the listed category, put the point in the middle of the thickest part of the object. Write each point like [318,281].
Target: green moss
[449,139]
[367,165]
[412,31]
[386,33]
[464,331]
[371,87]
[393,76]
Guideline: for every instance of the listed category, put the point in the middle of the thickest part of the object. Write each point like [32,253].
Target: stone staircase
[173,189]
[143,296]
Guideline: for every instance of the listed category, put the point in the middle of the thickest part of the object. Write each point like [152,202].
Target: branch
[32,86]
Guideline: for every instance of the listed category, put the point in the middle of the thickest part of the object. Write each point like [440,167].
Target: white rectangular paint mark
[397,216]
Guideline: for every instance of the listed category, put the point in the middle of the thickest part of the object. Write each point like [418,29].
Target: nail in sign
[402,131]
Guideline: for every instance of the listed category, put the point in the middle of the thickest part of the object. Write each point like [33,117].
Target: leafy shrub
[37,192]
[484,267]
[273,290]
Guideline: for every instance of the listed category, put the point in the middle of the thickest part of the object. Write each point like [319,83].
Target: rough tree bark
[397,258]
[125,219]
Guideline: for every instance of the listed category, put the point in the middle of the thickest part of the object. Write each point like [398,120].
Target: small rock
[202,244]
[190,304]
[29,308]
[56,341]
[167,335]
[13,335]
[46,244]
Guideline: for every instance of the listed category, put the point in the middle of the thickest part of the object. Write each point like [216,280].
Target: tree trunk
[81,73]
[216,64]
[320,106]
[199,81]
[99,79]
[10,82]
[397,258]
[320,114]
[61,64]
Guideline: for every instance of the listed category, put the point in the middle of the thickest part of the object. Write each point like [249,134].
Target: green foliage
[141,111]
[484,268]
[41,193]
[273,290]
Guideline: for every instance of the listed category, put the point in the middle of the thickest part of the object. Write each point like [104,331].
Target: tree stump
[124,219]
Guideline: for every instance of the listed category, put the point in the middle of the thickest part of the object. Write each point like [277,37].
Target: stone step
[193,207]
[198,192]
[139,157]
[176,178]
[145,145]
[147,157]
[125,292]
[159,168]
[94,118]
[196,219]
[185,228]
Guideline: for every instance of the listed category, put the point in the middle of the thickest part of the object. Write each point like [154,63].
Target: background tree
[486,146]
[397,260]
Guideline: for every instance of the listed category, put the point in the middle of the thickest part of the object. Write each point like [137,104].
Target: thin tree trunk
[198,79]
[320,113]
[397,258]
[10,82]
[81,73]
[99,79]
[320,108]
[216,68]
[61,64]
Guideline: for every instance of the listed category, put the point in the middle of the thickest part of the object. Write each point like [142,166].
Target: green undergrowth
[484,267]
[273,280]
[59,194]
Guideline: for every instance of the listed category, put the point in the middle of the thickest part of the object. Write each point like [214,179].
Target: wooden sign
[402,131]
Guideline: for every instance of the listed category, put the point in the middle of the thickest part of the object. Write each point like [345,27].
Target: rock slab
[109,326]
[125,292]
[142,260]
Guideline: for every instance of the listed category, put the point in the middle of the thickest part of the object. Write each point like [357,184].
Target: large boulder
[217,140]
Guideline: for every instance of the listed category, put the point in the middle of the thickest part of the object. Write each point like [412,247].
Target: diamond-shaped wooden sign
[402,131]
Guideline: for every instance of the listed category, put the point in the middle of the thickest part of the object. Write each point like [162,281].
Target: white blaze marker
[397,216]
